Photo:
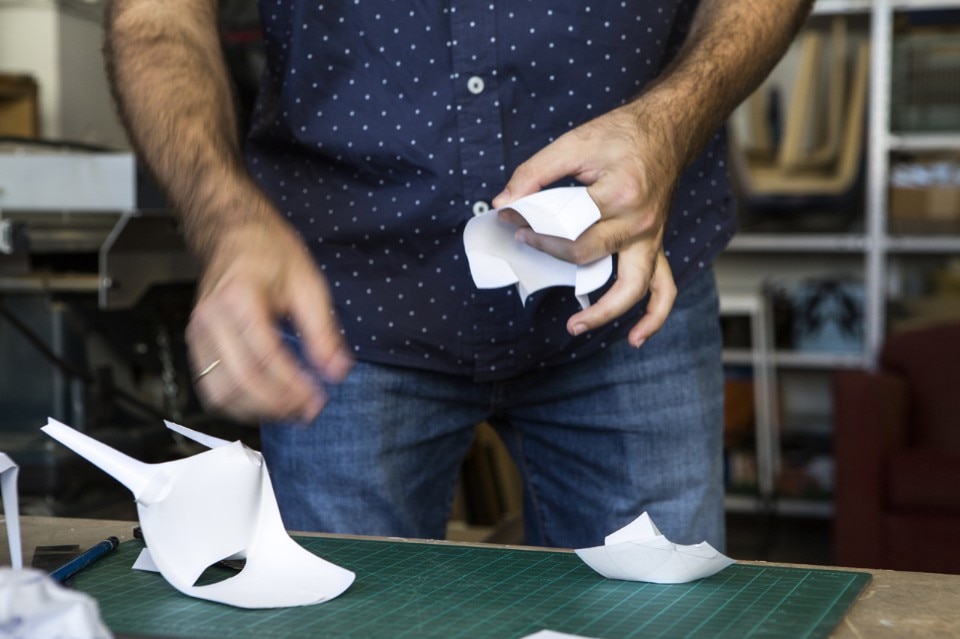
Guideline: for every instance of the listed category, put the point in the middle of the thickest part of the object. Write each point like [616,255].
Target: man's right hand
[258,273]
[165,64]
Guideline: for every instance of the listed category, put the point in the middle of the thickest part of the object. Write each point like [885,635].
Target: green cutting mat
[406,589]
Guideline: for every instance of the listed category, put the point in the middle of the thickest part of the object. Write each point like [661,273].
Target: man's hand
[630,171]
[259,273]
[166,67]
[631,158]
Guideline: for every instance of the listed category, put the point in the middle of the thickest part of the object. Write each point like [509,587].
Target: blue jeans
[597,442]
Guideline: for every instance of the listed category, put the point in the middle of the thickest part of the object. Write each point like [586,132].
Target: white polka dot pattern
[383,126]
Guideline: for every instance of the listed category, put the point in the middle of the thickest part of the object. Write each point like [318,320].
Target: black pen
[84,559]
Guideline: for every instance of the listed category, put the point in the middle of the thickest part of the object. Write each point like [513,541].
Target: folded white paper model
[639,552]
[218,504]
[497,259]
[34,605]
[11,508]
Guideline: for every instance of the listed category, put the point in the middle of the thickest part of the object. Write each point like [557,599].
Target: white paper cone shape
[215,505]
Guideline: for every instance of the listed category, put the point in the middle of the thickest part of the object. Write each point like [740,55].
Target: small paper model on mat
[11,508]
[497,259]
[639,552]
[218,504]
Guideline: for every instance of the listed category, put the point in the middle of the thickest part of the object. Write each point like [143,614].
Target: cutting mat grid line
[407,589]
[547,588]
[709,605]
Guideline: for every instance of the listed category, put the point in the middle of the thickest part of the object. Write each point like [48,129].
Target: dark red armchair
[897,448]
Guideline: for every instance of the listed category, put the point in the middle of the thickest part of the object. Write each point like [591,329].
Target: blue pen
[84,559]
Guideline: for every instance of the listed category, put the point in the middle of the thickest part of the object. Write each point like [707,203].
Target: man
[380,128]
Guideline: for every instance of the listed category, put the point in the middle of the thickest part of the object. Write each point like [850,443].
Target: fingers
[626,219]
[259,274]
[513,217]
[257,377]
[585,249]
[631,182]
[600,240]
[633,275]
[637,275]
[663,293]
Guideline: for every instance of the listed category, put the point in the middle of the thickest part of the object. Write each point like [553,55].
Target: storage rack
[876,244]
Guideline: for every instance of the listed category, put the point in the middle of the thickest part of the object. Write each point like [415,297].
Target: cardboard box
[932,209]
[19,112]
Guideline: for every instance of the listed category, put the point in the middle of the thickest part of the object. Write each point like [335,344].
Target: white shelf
[923,244]
[807,243]
[51,183]
[877,248]
[835,7]
[920,142]
[842,243]
[788,506]
[919,5]
[798,360]
[826,361]
[742,504]
[50,284]
[805,507]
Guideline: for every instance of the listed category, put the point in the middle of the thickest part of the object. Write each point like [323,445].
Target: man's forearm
[175,97]
[732,46]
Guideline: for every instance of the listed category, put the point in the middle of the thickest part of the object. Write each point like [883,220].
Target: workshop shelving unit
[873,253]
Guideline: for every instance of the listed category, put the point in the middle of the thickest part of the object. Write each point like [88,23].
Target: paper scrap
[218,504]
[553,634]
[11,508]
[639,552]
[33,605]
[497,259]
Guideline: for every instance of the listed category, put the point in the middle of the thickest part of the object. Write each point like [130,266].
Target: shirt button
[475,85]
[480,207]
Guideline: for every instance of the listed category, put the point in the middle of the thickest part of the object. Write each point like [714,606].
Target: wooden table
[895,604]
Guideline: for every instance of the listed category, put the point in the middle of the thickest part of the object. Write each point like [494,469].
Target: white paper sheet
[553,634]
[11,508]
[34,605]
[639,552]
[215,505]
[496,258]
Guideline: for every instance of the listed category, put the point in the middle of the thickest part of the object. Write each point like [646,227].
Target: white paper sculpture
[497,259]
[33,605]
[218,504]
[11,508]
[639,552]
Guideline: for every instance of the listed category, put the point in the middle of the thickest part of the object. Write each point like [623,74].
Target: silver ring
[205,371]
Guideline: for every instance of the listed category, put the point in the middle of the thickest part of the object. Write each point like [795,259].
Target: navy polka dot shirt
[382,126]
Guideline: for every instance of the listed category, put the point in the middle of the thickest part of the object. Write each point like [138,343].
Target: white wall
[59,43]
